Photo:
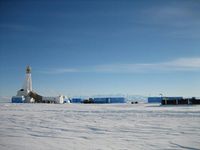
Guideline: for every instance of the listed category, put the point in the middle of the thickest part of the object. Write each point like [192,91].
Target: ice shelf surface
[98,127]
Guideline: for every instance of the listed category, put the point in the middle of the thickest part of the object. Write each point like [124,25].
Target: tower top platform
[28,69]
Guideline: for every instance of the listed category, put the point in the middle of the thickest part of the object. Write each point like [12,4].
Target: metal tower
[27,87]
[28,81]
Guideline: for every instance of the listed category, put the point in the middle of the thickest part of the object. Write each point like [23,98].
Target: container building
[109,100]
[18,99]
[181,101]
[76,100]
[159,99]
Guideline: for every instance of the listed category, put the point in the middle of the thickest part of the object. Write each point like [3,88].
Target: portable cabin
[195,101]
[173,101]
[191,101]
[154,99]
[56,100]
[165,100]
[103,100]
[18,99]
[117,100]
[76,100]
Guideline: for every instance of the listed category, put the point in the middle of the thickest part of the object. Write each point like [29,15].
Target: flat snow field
[98,127]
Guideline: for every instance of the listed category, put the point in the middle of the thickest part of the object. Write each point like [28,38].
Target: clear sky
[89,47]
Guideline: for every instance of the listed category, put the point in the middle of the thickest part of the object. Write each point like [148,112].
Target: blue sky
[103,47]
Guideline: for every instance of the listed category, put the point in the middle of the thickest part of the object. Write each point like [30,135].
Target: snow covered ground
[96,127]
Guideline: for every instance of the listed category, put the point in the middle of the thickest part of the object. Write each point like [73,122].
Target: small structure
[160,99]
[99,100]
[180,101]
[103,100]
[18,99]
[136,102]
[154,99]
[56,100]
[88,101]
[66,100]
[76,100]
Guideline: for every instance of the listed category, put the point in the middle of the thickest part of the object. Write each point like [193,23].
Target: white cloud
[66,70]
[192,63]
[60,71]
[180,64]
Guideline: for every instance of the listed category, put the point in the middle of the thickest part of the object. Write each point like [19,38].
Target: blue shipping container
[110,100]
[76,100]
[159,99]
[18,99]
[100,100]
[154,99]
[117,100]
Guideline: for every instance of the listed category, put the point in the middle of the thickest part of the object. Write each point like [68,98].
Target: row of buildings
[27,95]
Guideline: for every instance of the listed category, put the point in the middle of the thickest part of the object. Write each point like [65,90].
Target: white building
[27,87]
[26,94]
[57,99]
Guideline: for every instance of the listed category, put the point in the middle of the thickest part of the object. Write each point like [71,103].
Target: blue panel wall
[159,99]
[110,100]
[154,99]
[100,100]
[117,100]
[19,99]
[76,100]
